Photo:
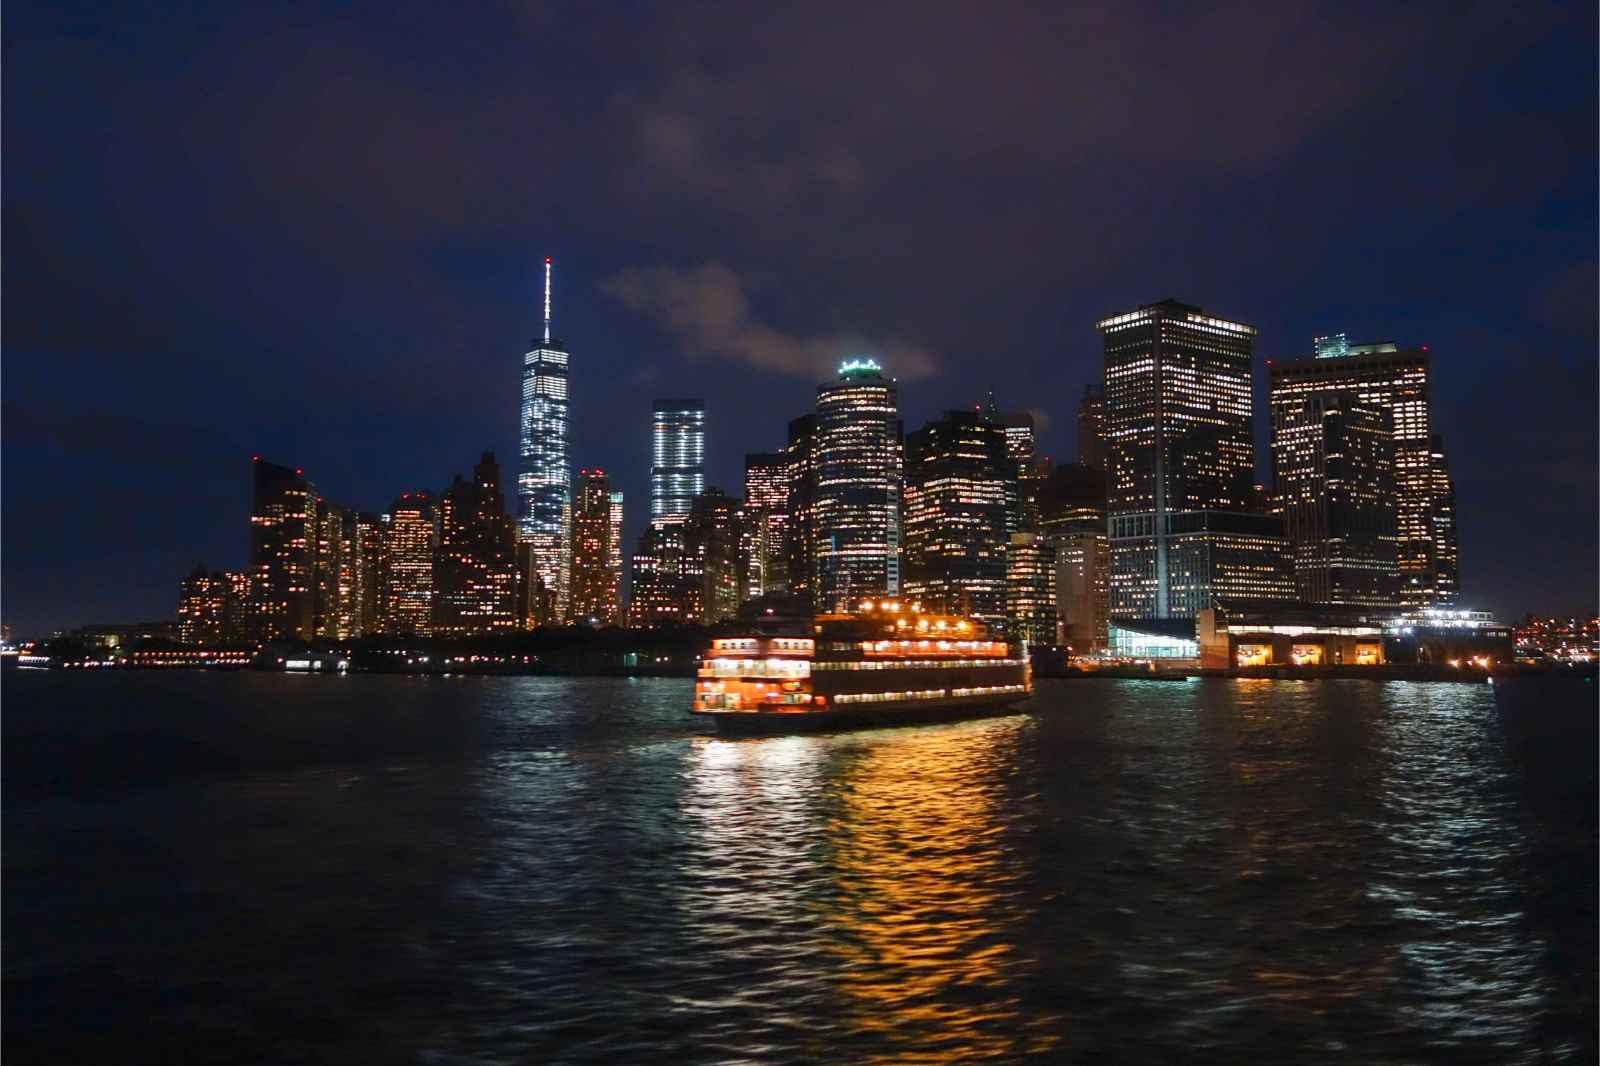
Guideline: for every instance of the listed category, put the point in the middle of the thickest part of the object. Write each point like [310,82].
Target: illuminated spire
[547,301]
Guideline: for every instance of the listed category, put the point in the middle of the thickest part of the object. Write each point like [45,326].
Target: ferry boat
[887,664]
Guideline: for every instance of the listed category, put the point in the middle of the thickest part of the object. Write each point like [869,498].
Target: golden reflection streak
[929,895]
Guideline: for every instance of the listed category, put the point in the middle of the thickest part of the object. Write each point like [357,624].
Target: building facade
[677,456]
[283,536]
[203,607]
[763,530]
[800,531]
[408,566]
[594,586]
[474,562]
[1398,382]
[955,517]
[1180,455]
[713,547]
[544,476]
[1333,466]
[1092,428]
[668,586]
[858,481]
[1031,589]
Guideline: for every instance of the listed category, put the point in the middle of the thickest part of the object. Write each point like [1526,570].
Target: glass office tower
[544,479]
[857,509]
[677,456]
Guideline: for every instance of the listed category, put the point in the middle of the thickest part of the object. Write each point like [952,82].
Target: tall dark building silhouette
[764,522]
[1073,516]
[1092,428]
[955,516]
[1180,466]
[1333,467]
[594,585]
[801,534]
[474,561]
[1399,382]
[1446,550]
[283,535]
[713,544]
[858,476]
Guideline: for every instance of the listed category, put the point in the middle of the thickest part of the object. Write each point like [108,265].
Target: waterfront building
[712,533]
[474,561]
[367,536]
[763,526]
[1031,589]
[955,517]
[668,585]
[203,599]
[858,472]
[544,477]
[594,590]
[800,456]
[1092,428]
[1180,466]
[1333,465]
[614,559]
[677,456]
[1446,552]
[1398,382]
[332,568]
[283,531]
[408,566]
[236,614]
[1073,518]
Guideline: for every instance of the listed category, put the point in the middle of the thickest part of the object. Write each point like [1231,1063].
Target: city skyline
[233,288]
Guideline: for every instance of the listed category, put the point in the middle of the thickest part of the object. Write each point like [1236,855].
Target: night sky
[317,234]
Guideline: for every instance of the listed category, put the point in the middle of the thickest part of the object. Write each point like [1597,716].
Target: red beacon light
[255,458]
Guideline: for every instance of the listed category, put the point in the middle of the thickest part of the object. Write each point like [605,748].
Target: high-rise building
[763,529]
[955,516]
[594,595]
[1092,428]
[1397,382]
[332,569]
[236,615]
[857,487]
[677,456]
[1031,589]
[614,561]
[801,528]
[668,583]
[368,536]
[474,560]
[713,544]
[1333,466]
[202,607]
[1446,552]
[544,478]
[1181,463]
[283,534]
[1073,516]
[408,565]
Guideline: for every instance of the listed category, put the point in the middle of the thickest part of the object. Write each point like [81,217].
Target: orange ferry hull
[869,716]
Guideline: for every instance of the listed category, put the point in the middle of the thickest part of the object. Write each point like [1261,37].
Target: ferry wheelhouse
[888,663]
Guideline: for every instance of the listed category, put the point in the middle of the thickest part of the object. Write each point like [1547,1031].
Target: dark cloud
[705,309]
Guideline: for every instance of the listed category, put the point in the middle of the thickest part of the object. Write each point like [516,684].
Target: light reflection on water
[563,870]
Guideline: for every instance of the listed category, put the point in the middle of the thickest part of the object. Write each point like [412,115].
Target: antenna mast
[547,301]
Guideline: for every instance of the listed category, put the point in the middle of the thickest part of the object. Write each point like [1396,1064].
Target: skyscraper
[593,600]
[713,543]
[408,566]
[1446,552]
[544,479]
[677,456]
[955,516]
[1092,428]
[1333,466]
[614,561]
[331,567]
[857,487]
[668,582]
[1398,383]
[474,563]
[764,525]
[1031,589]
[368,535]
[283,533]
[800,453]
[1181,462]
[1073,515]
